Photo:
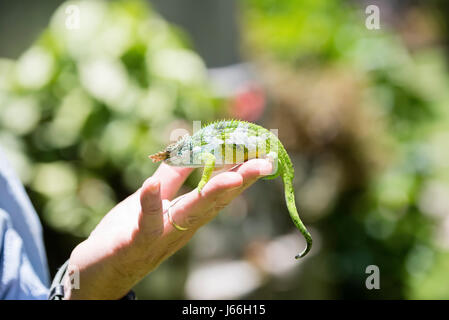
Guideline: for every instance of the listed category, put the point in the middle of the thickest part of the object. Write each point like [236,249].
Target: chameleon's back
[233,141]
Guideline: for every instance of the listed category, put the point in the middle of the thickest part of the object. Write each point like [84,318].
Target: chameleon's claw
[201,186]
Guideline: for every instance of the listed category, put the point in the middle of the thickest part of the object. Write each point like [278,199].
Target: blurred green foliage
[84,106]
[397,218]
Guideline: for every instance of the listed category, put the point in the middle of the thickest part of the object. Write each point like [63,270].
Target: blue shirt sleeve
[23,264]
[18,279]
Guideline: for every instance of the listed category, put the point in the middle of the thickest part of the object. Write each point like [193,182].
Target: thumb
[151,218]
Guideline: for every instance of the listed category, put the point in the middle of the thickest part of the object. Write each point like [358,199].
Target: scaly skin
[287,173]
[233,142]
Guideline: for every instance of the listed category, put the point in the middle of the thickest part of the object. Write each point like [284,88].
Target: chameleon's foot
[201,186]
[209,164]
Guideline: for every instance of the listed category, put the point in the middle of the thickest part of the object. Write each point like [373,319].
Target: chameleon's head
[175,154]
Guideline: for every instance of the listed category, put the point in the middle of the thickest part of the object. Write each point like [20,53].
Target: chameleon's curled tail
[290,200]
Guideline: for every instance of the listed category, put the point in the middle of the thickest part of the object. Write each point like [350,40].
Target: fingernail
[266,169]
[153,187]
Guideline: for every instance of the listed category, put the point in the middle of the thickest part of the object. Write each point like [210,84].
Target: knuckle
[153,233]
[192,220]
[141,236]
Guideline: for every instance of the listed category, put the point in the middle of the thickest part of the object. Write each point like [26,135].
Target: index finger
[171,179]
[194,209]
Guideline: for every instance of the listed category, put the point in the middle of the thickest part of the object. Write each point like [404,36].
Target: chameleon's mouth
[160,156]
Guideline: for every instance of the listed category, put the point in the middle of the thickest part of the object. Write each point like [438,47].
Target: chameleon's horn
[159,156]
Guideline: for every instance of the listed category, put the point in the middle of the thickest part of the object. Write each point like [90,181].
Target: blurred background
[89,88]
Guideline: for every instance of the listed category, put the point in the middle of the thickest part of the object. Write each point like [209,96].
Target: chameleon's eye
[172,147]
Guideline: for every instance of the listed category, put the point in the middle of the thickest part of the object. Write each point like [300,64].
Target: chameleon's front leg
[209,165]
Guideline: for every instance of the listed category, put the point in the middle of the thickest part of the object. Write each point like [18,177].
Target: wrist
[94,276]
[93,288]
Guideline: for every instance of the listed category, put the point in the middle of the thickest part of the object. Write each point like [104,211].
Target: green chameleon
[234,142]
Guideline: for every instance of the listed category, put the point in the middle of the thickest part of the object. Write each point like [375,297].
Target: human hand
[135,236]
